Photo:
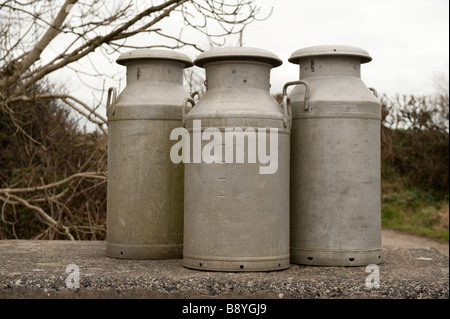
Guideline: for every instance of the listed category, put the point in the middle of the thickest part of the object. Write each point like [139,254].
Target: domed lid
[154,54]
[337,50]
[238,54]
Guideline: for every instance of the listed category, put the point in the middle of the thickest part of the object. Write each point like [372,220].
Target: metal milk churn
[236,213]
[335,191]
[145,188]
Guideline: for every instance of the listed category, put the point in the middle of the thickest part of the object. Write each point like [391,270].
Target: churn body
[145,188]
[335,160]
[236,218]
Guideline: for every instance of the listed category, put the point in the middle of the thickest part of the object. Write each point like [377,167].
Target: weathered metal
[335,199]
[145,188]
[237,218]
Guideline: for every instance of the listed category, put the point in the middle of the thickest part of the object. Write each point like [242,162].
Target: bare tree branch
[95,175]
[32,56]
[47,219]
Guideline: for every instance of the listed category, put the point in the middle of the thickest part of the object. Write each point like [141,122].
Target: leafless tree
[417,112]
[29,28]
[41,37]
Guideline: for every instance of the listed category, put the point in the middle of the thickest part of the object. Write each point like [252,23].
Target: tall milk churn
[145,188]
[236,213]
[335,191]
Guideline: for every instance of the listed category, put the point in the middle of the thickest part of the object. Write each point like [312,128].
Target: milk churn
[335,159]
[236,213]
[145,188]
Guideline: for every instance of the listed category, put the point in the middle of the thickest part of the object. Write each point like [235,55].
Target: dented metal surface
[335,199]
[145,188]
[237,219]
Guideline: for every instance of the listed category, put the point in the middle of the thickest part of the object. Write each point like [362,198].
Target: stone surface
[37,269]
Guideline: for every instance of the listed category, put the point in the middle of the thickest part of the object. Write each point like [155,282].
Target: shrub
[415,140]
[51,180]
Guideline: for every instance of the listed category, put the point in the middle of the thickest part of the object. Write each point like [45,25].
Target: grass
[412,209]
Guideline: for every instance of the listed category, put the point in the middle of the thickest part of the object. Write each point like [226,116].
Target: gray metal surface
[240,53]
[335,199]
[154,54]
[235,218]
[145,189]
[330,51]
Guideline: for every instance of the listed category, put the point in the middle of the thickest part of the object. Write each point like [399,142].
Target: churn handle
[374,91]
[194,94]
[287,104]
[186,101]
[287,111]
[108,100]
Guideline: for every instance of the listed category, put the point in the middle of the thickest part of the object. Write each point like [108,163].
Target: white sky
[407,39]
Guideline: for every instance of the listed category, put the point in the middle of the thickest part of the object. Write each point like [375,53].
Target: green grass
[409,208]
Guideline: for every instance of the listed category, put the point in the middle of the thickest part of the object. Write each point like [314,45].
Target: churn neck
[237,75]
[160,71]
[238,67]
[330,60]
[152,65]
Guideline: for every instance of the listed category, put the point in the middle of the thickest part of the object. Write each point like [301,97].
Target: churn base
[331,257]
[144,251]
[237,264]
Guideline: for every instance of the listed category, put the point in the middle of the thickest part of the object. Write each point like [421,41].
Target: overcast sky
[407,39]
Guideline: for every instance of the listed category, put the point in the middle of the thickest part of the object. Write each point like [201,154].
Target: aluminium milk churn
[236,213]
[145,188]
[335,191]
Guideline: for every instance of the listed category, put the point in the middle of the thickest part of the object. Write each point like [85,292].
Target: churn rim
[154,54]
[337,50]
[238,54]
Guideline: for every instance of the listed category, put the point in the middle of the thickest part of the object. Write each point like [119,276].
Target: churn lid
[238,54]
[337,50]
[154,54]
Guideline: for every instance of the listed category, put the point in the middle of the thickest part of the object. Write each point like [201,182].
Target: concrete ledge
[37,269]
